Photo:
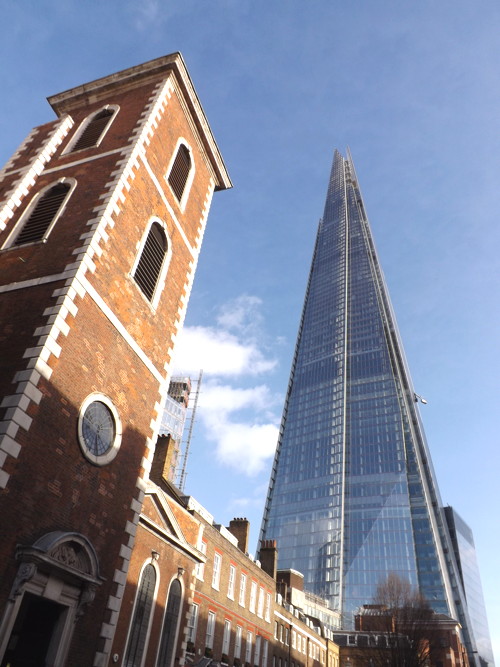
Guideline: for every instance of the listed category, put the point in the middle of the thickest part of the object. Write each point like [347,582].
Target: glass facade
[352,495]
[174,418]
[465,554]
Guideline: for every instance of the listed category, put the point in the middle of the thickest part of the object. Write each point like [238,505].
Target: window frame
[154,565]
[210,633]
[238,641]
[267,613]
[253,597]
[192,625]
[23,219]
[243,588]
[162,274]
[176,581]
[231,582]
[216,570]
[256,652]
[190,177]
[260,602]
[264,657]
[200,567]
[85,123]
[226,637]
[248,647]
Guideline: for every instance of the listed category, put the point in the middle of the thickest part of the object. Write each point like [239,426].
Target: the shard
[352,495]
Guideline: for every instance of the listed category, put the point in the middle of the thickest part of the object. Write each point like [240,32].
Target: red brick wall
[52,486]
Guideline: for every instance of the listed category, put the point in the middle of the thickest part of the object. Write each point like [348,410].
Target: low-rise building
[194,595]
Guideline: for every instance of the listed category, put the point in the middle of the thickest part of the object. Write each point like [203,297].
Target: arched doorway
[56,580]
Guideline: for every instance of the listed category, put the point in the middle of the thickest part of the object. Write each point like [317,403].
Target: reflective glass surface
[173,419]
[465,553]
[349,499]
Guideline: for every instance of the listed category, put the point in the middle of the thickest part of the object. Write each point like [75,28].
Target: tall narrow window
[43,214]
[140,620]
[260,605]
[237,642]
[264,653]
[200,567]
[216,570]
[248,647]
[243,587]
[170,623]
[226,638]
[230,586]
[253,596]
[192,624]
[209,639]
[256,655]
[179,172]
[148,269]
[93,130]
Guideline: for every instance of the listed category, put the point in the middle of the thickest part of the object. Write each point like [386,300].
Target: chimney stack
[163,465]
[240,528]
[269,557]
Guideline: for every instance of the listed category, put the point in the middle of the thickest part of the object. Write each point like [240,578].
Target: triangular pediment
[159,516]
[155,512]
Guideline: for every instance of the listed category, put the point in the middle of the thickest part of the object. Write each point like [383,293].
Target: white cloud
[244,442]
[247,447]
[233,348]
[240,420]
[226,399]
[219,352]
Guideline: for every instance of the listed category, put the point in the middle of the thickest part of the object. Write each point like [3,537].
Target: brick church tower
[102,214]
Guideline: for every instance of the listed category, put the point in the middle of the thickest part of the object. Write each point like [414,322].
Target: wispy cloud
[147,13]
[242,315]
[151,15]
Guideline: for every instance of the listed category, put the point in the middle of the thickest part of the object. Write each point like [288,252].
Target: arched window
[43,214]
[139,626]
[179,172]
[170,623]
[93,130]
[149,266]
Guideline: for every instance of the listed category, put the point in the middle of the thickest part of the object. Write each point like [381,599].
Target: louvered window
[140,620]
[180,171]
[92,132]
[43,213]
[151,260]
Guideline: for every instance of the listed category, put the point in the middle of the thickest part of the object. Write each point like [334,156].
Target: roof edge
[174,62]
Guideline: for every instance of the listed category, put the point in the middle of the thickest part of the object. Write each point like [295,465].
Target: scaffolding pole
[183,474]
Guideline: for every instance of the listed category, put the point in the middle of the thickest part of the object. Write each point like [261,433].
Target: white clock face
[99,429]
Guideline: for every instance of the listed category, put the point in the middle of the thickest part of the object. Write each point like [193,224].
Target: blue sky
[413,89]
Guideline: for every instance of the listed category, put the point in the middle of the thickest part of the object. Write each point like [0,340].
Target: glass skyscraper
[352,495]
[465,554]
